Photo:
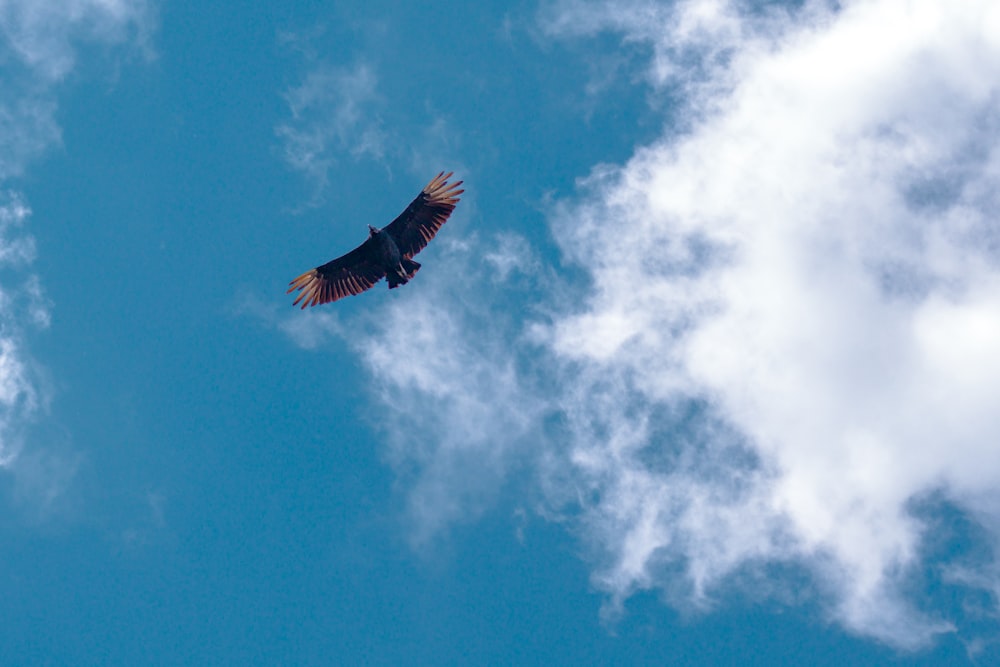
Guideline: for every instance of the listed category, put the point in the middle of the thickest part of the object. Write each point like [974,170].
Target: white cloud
[43,34]
[510,254]
[308,329]
[450,391]
[445,371]
[27,128]
[339,117]
[816,260]
[22,396]
[39,43]
[793,330]
[333,114]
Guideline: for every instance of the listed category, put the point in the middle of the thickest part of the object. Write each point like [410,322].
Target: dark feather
[351,274]
[417,225]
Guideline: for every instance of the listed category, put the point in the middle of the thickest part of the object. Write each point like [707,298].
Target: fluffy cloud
[816,263]
[789,346]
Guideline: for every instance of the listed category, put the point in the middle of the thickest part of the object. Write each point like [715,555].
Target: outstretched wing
[417,225]
[353,273]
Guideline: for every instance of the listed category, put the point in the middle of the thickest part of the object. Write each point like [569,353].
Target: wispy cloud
[39,45]
[39,42]
[790,333]
[339,119]
[307,329]
[454,383]
[333,115]
[686,45]
[22,307]
[28,127]
[443,362]
[44,34]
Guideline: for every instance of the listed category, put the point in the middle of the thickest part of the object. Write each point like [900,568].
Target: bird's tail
[410,267]
[407,269]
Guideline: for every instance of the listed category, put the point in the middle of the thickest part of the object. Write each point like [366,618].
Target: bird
[387,253]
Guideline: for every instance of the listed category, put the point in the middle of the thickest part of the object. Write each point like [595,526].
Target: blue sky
[701,371]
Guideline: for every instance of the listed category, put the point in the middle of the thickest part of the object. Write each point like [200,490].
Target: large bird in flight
[387,253]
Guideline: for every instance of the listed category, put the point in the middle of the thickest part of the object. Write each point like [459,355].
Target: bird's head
[372,231]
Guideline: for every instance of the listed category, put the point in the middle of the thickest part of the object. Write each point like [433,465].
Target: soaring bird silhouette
[387,253]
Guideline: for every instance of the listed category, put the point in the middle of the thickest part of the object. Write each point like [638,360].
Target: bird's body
[388,252]
[385,250]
